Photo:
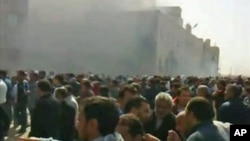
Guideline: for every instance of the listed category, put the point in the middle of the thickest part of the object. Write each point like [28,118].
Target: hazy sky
[226,22]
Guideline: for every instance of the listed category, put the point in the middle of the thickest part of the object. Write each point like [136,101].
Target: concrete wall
[180,52]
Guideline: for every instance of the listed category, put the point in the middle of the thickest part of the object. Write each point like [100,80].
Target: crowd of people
[89,107]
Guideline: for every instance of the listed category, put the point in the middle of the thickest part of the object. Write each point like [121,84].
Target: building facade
[78,37]
[13,14]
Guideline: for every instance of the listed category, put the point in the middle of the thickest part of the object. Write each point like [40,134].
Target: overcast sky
[227,23]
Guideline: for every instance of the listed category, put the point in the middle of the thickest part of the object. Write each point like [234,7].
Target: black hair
[60,78]
[126,88]
[104,111]
[44,85]
[3,73]
[62,92]
[86,83]
[183,88]
[69,88]
[134,124]
[236,90]
[104,91]
[201,108]
[134,103]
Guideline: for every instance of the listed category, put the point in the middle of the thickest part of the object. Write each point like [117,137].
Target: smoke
[102,36]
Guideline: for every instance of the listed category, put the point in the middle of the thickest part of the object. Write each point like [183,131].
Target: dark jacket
[234,111]
[45,119]
[150,95]
[168,123]
[209,131]
[218,98]
[67,122]
[4,123]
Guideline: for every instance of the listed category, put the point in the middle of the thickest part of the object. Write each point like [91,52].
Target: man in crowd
[199,116]
[46,115]
[139,107]
[130,127]
[233,110]
[114,89]
[3,91]
[33,97]
[4,122]
[174,89]
[8,105]
[22,100]
[218,96]
[98,120]
[70,100]
[86,90]
[42,74]
[162,119]
[152,90]
[58,82]
[203,91]
[183,97]
[4,118]
[67,116]
[125,94]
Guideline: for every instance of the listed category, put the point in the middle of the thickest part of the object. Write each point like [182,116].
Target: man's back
[208,131]
[45,119]
[234,111]
[67,121]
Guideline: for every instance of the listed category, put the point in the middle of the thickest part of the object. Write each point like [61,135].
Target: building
[129,37]
[13,15]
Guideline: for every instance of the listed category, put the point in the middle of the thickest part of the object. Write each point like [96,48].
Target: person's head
[163,104]
[85,85]
[42,74]
[139,107]
[43,87]
[104,91]
[221,84]
[21,75]
[114,83]
[175,88]
[197,82]
[247,90]
[79,77]
[184,95]
[232,91]
[3,73]
[99,117]
[137,86]
[69,89]
[203,91]
[34,76]
[58,80]
[127,93]
[198,110]
[61,93]
[130,127]
[181,124]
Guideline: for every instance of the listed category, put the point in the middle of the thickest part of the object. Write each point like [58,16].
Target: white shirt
[71,101]
[3,91]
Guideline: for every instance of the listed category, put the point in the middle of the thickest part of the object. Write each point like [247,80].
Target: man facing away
[46,114]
